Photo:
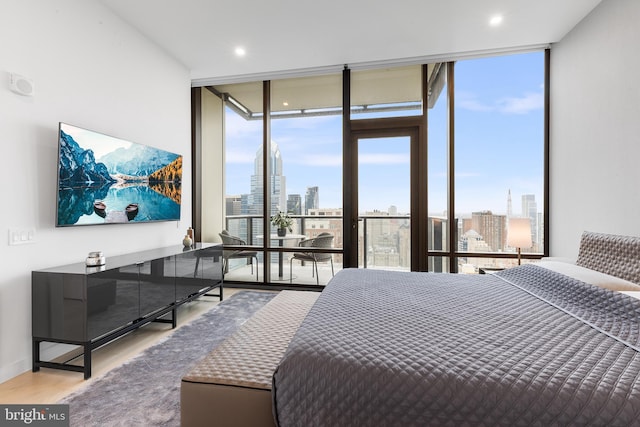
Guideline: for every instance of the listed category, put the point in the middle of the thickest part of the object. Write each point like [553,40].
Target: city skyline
[498,145]
[282,200]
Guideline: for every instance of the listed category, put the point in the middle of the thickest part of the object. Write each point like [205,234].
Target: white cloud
[239,156]
[319,160]
[470,102]
[384,159]
[239,128]
[525,104]
[329,160]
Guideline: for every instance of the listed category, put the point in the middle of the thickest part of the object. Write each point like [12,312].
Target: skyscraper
[530,210]
[277,183]
[311,199]
[529,207]
[234,207]
[493,228]
[294,204]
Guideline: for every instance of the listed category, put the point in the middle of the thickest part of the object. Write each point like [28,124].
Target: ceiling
[299,37]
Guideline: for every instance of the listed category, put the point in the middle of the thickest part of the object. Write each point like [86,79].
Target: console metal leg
[174,318]
[35,349]
[87,361]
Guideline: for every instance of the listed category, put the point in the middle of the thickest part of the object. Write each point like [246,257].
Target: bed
[555,343]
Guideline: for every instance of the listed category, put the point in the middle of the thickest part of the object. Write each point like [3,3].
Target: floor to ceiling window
[306,129]
[444,180]
[302,171]
[378,98]
[437,191]
[499,156]
[243,204]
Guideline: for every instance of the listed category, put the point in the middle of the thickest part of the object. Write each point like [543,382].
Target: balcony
[383,242]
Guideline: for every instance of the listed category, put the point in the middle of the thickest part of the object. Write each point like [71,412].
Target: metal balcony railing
[384,241]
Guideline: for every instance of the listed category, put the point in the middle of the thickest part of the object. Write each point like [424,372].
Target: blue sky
[499,145]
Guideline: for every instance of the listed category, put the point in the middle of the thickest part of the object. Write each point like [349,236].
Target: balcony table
[281,240]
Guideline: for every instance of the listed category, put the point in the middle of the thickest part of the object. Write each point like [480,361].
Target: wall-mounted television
[106,180]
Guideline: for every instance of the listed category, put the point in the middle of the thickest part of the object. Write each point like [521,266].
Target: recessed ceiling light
[495,20]
[285,103]
[240,51]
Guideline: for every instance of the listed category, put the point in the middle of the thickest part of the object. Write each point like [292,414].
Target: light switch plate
[22,236]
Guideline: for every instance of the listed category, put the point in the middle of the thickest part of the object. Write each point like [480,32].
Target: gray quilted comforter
[526,346]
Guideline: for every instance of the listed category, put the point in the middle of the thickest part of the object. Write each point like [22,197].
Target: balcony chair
[212,253]
[323,240]
[249,255]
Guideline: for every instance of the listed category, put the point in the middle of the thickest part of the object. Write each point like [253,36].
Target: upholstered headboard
[611,254]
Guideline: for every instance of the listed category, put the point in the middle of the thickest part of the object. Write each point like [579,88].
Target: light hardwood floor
[51,385]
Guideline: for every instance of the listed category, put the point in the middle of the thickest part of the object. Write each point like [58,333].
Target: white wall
[92,70]
[595,127]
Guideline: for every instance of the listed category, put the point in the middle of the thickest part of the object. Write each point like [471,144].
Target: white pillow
[589,276]
[559,259]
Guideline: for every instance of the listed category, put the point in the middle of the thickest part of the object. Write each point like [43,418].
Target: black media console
[90,306]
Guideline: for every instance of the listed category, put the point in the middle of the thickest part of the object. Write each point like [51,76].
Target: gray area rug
[145,391]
